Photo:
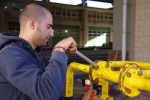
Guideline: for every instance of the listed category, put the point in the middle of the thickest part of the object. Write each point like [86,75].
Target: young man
[23,76]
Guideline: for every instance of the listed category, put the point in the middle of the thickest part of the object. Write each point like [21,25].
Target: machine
[131,76]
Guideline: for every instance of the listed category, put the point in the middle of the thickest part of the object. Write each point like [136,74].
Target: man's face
[44,31]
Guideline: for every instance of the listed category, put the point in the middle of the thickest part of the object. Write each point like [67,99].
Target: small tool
[87,59]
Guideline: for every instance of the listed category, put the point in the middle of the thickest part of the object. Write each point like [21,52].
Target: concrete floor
[118,95]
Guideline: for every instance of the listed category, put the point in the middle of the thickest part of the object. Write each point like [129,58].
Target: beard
[39,40]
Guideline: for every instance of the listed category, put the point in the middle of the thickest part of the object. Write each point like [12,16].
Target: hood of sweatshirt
[7,38]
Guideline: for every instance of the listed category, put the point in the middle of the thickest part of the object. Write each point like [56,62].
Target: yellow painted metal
[131,78]
[122,63]
[105,93]
[102,76]
[146,73]
[140,83]
[106,72]
[70,73]
[124,82]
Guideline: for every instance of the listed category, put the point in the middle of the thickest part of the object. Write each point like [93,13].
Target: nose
[51,33]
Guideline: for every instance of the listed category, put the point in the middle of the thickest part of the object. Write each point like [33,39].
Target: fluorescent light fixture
[70,2]
[99,4]
[37,0]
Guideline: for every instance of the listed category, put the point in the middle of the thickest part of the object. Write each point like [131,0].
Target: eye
[48,26]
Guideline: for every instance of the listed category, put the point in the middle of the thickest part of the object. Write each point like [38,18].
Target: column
[85,26]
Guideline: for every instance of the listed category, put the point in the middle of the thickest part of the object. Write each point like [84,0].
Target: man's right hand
[68,44]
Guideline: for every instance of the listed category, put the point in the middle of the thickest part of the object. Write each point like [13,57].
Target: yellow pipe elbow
[70,73]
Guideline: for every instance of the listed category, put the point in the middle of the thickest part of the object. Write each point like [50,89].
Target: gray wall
[117,26]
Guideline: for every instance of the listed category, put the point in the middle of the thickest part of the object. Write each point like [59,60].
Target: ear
[32,24]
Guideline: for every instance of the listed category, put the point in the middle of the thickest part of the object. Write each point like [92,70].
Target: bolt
[128,90]
[123,68]
[140,73]
[128,74]
[107,65]
[96,81]
[139,90]
[135,66]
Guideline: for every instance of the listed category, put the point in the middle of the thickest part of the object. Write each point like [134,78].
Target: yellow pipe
[109,75]
[131,80]
[146,73]
[79,67]
[102,76]
[106,72]
[70,73]
[122,63]
[140,83]
[128,77]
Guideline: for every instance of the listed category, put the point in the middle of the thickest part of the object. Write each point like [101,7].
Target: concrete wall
[117,26]
[142,31]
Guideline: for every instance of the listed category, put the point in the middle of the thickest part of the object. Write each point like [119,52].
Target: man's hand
[68,44]
[90,94]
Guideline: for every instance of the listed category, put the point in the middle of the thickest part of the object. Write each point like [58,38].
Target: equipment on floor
[132,76]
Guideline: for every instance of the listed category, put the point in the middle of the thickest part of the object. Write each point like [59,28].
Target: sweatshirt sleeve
[21,71]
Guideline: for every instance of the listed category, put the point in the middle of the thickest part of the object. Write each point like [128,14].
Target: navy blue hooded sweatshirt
[24,77]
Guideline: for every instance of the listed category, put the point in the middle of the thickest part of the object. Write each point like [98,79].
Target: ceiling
[109,1]
[83,1]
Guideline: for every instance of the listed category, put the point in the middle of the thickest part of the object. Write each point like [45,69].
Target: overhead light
[75,2]
[66,31]
[96,4]
[38,0]
[5,7]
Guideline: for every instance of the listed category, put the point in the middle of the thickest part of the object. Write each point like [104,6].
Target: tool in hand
[87,59]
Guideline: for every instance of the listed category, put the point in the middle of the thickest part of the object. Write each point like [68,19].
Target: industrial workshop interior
[112,43]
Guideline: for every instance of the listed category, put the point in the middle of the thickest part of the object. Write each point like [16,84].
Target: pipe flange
[128,73]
